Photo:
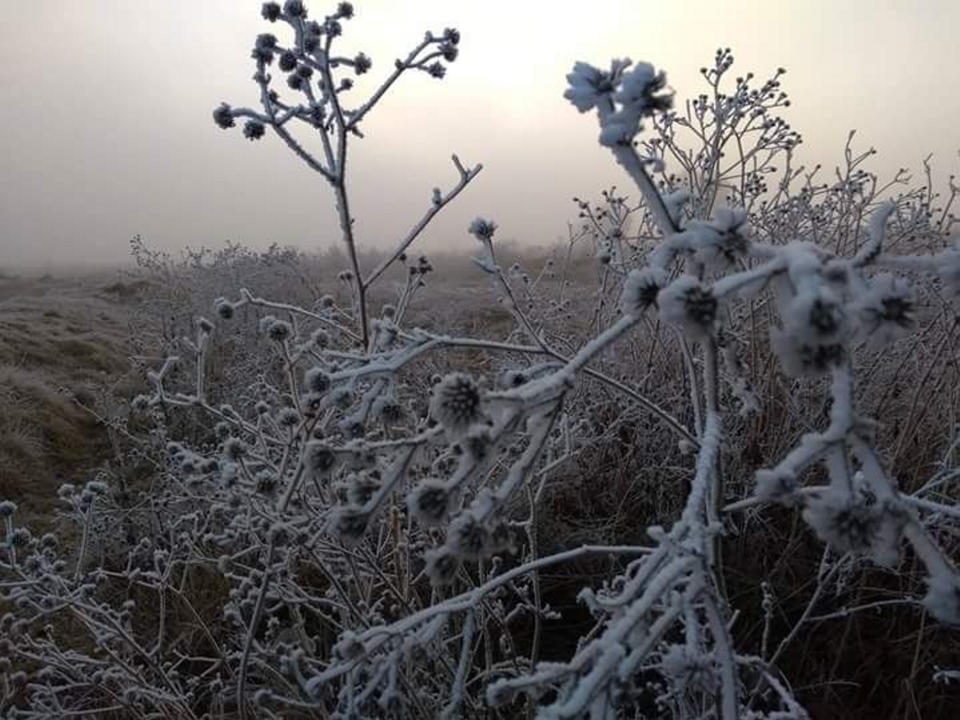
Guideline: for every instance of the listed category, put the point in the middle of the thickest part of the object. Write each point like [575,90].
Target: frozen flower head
[456,404]
[442,566]
[723,239]
[886,311]
[319,457]
[317,380]
[319,338]
[449,51]
[591,87]
[689,304]
[295,8]
[430,502]
[853,522]
[452,36]
[224,308]
[482,229]
[234,449]
[642,88]
[253,130]
[814,336]
[277,330]
[800,359]
[288,417]
[267,483]
[270,11]
[7,509]
[288,61]
[640,290]
[641,94]
[817,317]
[361,64]
[469,538]
[223,116]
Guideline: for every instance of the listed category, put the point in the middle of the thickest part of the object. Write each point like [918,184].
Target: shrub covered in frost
[331,531]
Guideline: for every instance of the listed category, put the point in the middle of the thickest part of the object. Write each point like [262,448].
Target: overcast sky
[105,126]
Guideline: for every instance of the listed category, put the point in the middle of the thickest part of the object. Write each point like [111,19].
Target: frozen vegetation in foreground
[338,513]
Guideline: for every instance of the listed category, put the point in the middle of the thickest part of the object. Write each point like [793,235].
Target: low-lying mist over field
[438,360]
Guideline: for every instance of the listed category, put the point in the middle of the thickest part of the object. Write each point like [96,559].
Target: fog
[105,109]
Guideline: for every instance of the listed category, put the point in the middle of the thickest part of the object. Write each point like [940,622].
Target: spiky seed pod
[234,449]
[317,380]
[267,482]
[469,538]
[452,36]
[288,417]
[430,502]
[442,566]
[224,308]
[277,330]
[223,116]
[295,9]
[450,51]
[319,457]
[253,130]
[287,61]
[456,404]
[270,11]
[361,64]
[687,303]
[482,229]
[640,290]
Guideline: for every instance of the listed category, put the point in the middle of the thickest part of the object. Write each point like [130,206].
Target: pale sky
[105,126]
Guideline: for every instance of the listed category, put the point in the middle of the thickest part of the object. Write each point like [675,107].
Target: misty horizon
[108,132]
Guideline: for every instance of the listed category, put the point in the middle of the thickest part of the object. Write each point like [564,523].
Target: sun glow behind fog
[108,130]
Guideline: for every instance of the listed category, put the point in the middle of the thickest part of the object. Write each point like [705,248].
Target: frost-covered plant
[343,515]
